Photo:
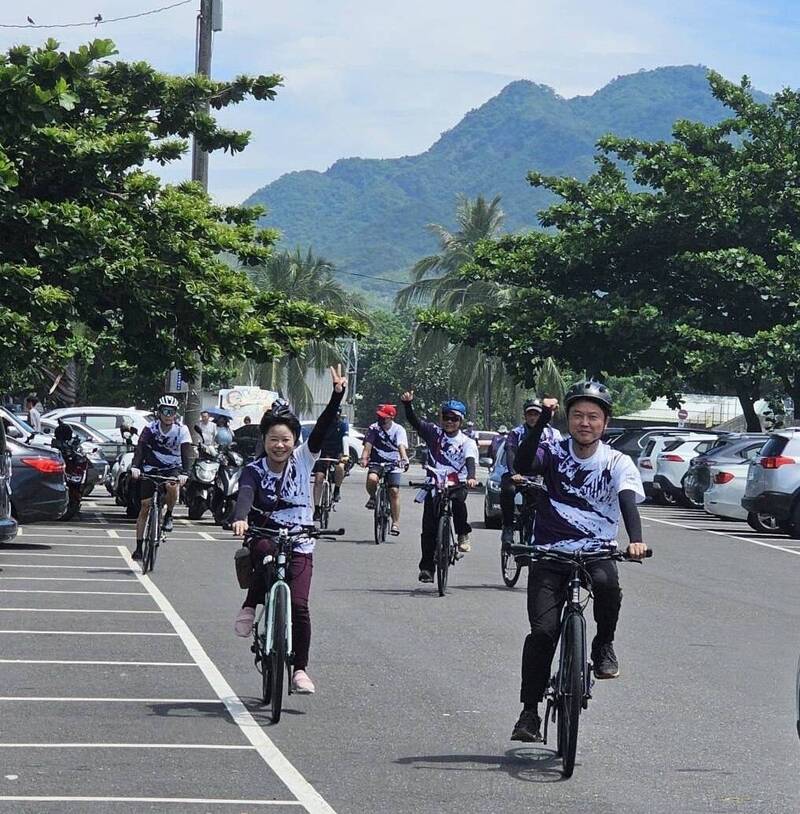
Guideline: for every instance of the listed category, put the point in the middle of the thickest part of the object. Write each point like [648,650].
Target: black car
[38,490]
[732,449]
[8,526]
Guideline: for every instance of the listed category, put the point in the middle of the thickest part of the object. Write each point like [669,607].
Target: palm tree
[311,278]
[436,282]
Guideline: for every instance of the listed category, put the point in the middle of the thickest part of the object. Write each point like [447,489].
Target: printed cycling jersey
[516,435]
[448,453]
[386,443]
[333,444]
[162,450]
[582,510]
[286,497]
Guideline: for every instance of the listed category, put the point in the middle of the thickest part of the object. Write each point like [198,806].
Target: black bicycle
[153,529]
[272,628]
[382,513]
[524,516]
[326,505]
[571,687]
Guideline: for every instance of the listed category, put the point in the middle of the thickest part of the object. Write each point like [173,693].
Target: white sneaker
[243,624]
[302,684]
[463,543]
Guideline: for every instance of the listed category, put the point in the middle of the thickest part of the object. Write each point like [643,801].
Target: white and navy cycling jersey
[514,438]
[582,510]
[386,443]
[162,450]
[285,498]
[448,453]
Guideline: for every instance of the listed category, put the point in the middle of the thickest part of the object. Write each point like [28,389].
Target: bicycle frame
[279,584]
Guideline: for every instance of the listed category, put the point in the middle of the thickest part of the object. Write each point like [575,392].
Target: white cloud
[370,79]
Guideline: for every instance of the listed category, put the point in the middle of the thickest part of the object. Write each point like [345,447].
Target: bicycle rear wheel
[571,685]
[325,505]
[277,658]
[443,546]
[148,543]
[378,519]
[264,661]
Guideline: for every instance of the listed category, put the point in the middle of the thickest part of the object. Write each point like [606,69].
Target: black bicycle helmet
[592,390]
[531,404]
[280,413]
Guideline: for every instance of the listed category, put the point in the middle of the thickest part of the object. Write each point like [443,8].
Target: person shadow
[531,764]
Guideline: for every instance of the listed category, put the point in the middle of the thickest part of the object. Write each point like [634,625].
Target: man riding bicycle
[531,409]
[164,448]
[449,452]
[589,485]
[386,443]
[334,446]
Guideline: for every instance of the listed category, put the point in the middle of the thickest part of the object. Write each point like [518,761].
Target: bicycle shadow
[25,547]
[414,592]
[218,710]
[530,764]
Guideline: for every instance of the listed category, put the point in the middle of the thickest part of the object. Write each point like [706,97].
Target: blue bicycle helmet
[455,406]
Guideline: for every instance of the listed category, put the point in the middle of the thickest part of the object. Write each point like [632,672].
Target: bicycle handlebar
[305,531]
[536,553]
[160,478]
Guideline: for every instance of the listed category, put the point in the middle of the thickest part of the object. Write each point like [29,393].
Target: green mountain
[369,215]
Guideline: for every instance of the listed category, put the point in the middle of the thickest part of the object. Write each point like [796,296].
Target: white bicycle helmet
[168,401]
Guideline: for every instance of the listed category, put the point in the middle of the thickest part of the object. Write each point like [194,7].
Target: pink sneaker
[302,684]
[243,625]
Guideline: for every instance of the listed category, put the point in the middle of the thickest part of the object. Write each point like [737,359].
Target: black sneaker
[336,496]
[604,660]
[137,554]
[528,728]
[507,537]
[425,576]
[168,524]
[317,514]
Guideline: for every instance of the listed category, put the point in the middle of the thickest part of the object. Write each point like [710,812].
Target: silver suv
[773,481]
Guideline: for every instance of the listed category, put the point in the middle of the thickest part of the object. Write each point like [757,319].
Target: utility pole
[209,19]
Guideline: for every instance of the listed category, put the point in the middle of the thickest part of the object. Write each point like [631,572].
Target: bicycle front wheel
[150,536]
[510,568]
[325,505]
[379,521]
[277,657]
[443,546]
[571,686]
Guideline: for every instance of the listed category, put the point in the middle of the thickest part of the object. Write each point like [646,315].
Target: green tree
[310,278]
[102,264]
[677,260]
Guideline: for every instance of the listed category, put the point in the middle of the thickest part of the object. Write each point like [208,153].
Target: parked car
[484,438]
[492,515]
[648,459]
[90,447]
[773,481]
[633,440]
[355,439]
[727,481]
[8,525]
[611,434]
[18,429]
[106,447]
[672,463]
[38,490]
[109,420]
[733,449]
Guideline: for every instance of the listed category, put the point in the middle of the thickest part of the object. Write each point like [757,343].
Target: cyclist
[449,451]
[386,442]
[589,486]
[334,445]
[164,448]
[275,492]
[531,411]
[502,435]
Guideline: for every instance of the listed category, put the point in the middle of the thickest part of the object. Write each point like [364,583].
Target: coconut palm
[311,278]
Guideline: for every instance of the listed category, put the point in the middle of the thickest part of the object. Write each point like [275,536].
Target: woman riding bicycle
[589,485]
[275,493]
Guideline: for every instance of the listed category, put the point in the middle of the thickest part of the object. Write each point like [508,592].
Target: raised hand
[551,404]
[339,381]
[408,396]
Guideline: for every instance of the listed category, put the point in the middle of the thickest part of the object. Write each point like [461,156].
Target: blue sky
[381,80]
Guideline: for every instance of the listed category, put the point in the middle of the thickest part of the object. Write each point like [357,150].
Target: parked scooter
[200,484]
[76,467]
[226,485]
[123,488]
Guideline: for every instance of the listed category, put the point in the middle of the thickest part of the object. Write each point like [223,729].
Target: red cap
[386,411]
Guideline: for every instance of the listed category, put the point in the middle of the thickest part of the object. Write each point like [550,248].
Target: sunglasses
[451,417]
[167,410]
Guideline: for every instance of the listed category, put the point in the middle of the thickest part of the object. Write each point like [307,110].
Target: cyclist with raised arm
[334,447]
[164,448]
[589,486]
[275,493]
[386,442]
[450,451]
[531,410]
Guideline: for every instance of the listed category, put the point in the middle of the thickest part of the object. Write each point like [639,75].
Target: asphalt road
[126,694]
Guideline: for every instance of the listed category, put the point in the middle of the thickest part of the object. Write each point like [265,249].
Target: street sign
[175,382]
[683,414]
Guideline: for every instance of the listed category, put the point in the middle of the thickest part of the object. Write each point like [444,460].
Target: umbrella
[218,412]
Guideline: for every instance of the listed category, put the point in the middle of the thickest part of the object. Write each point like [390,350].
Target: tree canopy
[676,258]
[102,263]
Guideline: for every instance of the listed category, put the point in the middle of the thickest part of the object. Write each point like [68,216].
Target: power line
[369,277]
[101,21]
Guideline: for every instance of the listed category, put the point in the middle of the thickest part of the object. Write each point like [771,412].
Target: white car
[728,481]
[672,464]
[355,439]
[107,420]
[648,459]
[18,429]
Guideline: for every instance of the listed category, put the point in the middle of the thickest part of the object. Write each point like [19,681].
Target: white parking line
[73,567]
[79,593]
[77,610]
[112,533]
[726,534]
[225,747]
[205,536]
[67,556]
[268,751]
[86,633]
[66,698]
[70,579]
[103,663]
[166,800]
[9,547]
